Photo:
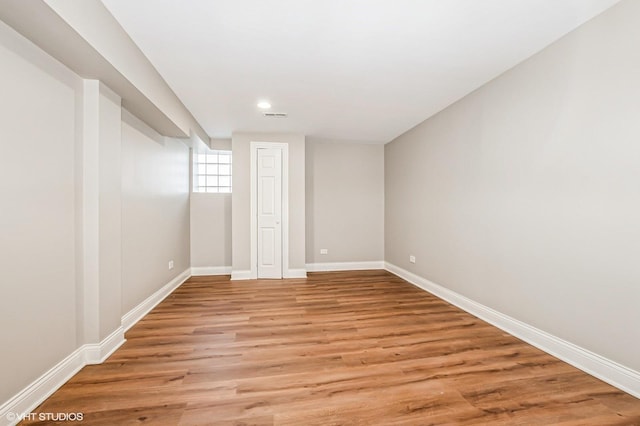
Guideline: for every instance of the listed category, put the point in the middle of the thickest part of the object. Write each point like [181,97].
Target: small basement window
[212,171]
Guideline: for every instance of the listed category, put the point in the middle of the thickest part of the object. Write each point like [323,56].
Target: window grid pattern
[212,172]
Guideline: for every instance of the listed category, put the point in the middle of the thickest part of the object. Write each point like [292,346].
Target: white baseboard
[136,314]
[596,365]
[345,266]
[240,275]
[200,271]
[296,273]
[33,395]
[97,353]
[92,353]
[246,275]
[12,411]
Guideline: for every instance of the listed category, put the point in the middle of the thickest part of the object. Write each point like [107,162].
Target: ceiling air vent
[275,114]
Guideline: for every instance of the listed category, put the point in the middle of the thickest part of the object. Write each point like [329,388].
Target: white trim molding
[201,271]
[13,411]
[92,353]
[34,394]
[345,266]
[241,275]
[296,273]
[248,275]
[596,365]
[133,316]
[97,353]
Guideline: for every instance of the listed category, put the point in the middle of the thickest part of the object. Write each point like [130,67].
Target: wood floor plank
[339,348]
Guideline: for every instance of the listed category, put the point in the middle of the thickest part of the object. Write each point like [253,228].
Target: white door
[269,211]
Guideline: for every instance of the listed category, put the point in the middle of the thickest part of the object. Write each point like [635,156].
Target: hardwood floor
[338,348]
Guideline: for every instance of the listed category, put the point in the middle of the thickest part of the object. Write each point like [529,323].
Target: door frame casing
[284,147]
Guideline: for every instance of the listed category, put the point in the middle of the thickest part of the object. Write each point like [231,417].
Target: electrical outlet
[170,264]
[324,251]
[412,259]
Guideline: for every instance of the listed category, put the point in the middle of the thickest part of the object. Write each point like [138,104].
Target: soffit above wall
[48,29]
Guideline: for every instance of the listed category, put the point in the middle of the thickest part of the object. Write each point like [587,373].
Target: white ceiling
[359,70]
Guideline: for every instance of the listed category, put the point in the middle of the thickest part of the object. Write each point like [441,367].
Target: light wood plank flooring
[338,348]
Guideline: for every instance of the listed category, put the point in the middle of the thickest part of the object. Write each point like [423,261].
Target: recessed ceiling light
[264,105]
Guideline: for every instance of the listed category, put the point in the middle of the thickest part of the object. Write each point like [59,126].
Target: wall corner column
[101,213]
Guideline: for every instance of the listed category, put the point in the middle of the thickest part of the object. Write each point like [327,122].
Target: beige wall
[343,210]
[37,213]
[210,223]
[524,195]
[71,216]
[210,230]
[110,211]
[93,208]
[155,210]
[344,202]
[241,207]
